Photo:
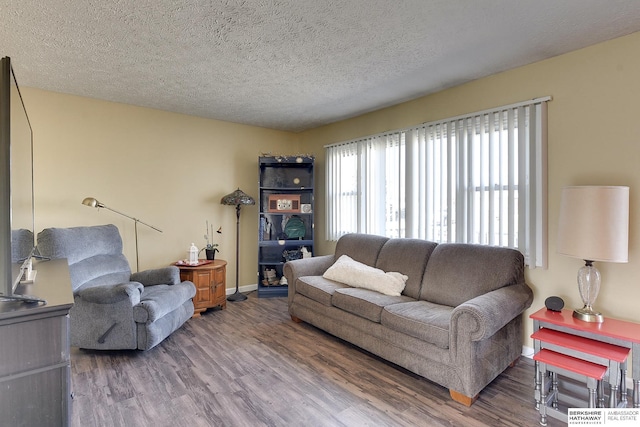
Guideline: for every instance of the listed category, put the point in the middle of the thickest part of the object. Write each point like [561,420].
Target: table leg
[623,383]
[600,394]
[554,388]
[592,386]
[537,388]
[614,381]
[543,395]
[613,395]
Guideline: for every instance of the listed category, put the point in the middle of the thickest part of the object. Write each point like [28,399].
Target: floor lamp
[91,202]
[237,199]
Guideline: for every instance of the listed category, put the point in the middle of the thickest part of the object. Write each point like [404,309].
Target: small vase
[211,254]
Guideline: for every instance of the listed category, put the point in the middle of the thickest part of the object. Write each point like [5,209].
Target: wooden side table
[211,284]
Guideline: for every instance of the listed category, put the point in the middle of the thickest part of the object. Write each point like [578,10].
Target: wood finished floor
[250,365]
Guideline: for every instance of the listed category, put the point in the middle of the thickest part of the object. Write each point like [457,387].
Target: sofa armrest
[314,266]
[160,276]
[112,294]
[486,314]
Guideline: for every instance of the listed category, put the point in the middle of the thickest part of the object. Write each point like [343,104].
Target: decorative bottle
[305,252]
[193,255]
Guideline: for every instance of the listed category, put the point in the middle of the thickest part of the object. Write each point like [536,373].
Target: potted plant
[211,248]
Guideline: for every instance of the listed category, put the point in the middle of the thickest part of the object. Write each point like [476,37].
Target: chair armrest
[160,276]
[486,314]
[112,294]
[158,303]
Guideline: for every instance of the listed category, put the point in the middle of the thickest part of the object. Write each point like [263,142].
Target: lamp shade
[91,202]
[236,198]
[594,223]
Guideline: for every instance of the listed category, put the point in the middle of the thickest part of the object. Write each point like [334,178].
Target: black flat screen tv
[17,242]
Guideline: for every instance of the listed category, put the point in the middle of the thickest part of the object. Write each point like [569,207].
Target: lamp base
[237,296]
[586,314]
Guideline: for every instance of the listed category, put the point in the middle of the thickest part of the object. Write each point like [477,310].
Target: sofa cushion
[365,303]
[318,288]
[458,272]
[420,319]
[363,248]
[409,257]
[359,275]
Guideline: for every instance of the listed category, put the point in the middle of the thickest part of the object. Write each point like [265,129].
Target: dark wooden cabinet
[286,224]
[211,284]
[35,369]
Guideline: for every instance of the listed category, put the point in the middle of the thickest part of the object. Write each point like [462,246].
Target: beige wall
[166,169]
[171,170]
[594,138]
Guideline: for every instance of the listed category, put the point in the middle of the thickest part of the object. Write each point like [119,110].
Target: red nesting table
[606,343]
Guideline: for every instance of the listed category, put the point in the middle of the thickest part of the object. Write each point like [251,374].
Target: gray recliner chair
[114,309]
[21,244]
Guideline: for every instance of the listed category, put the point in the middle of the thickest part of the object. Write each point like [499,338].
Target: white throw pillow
[353,273]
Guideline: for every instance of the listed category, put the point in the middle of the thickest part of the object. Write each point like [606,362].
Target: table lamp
[593,226]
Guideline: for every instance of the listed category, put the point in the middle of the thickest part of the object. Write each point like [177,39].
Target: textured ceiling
[289,64]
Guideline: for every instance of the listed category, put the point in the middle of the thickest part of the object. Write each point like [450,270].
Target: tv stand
[35,370]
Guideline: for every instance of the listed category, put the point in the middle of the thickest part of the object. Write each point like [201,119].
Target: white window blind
[479,178]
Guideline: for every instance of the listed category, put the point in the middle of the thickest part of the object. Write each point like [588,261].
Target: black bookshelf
[286,224]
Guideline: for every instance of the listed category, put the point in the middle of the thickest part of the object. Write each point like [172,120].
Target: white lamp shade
[594,223]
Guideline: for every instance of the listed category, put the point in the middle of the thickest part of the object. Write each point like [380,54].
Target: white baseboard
[242,289]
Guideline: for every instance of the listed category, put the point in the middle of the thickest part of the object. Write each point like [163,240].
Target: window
[479,178]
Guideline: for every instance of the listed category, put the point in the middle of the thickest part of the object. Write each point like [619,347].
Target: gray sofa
[458,321]
[114,309]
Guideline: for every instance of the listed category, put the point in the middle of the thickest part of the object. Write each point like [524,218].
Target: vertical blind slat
[450,207]
[532,186]
[501,180]
[522,177]
[491,165]
[511,179]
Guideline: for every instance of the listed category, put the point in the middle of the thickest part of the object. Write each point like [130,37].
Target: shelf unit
[285,223]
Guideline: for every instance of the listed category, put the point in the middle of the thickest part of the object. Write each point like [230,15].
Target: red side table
[612,331]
